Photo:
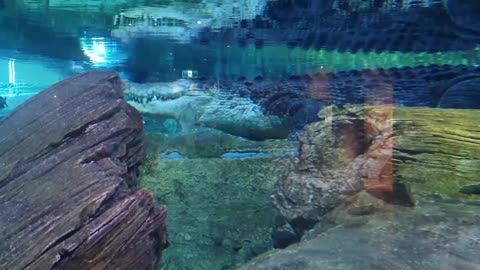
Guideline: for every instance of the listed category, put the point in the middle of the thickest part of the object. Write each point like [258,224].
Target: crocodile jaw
[173,108]
[237,118]
[242,117]
[228,113]
[187,109]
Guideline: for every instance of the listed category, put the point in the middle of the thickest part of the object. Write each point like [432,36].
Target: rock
[211,143]
[283,233]
[362,210]
[339,157]
[223,204]
[397,238]
[395,154]
[261,247]
[69,157]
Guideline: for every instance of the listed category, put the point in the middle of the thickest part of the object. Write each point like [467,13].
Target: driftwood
[437,151]
[397,154]
[68,163]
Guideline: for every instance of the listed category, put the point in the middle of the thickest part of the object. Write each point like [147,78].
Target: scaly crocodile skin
[299,98]
[379,26]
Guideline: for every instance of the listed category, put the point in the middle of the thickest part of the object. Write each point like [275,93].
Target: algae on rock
[399,154]
[437,150]
[220,211]
[211,143]
[342,241]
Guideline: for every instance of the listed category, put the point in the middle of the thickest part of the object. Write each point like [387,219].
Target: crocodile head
[193,105]
[182,100]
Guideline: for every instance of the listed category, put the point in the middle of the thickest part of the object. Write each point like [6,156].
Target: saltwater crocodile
[436,28]
[262,109]
[193,103]
[353,25]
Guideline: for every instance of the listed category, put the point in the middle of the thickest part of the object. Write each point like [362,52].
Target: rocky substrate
[211,143]
[68,198]
[367,234]
[220,212]
[397,154]
[380,188]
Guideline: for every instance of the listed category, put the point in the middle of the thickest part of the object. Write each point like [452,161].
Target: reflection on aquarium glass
[247,135]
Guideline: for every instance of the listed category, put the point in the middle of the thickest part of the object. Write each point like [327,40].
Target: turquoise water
[257,171]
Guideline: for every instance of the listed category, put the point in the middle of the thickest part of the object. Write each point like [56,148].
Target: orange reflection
[375,143]
[319,89]
[378,127]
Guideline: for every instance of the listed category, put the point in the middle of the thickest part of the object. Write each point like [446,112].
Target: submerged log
[68,163]
[396,154]
[437,151]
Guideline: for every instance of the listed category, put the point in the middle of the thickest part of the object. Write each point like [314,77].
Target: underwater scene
[247,134]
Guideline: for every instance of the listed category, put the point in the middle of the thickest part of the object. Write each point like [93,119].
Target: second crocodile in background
[264,109]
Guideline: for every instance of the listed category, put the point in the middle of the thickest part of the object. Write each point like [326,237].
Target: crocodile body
[353,25]
[382,26]
[263,109]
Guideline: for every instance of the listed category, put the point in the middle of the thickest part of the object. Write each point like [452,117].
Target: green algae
[211,143]
[437,151]
[219,210]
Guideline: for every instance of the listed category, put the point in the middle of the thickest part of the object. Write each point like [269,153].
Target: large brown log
[403,156]
[68,163]
[397,154]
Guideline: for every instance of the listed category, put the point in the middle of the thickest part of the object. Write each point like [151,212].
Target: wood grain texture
[394,153]
[68,163]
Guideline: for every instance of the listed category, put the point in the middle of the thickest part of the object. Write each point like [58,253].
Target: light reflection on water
[90,34]
[145,45]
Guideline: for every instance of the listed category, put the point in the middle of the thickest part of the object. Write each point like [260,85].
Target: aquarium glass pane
[246,134]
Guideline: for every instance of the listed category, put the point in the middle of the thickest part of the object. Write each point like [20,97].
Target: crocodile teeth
[151,95]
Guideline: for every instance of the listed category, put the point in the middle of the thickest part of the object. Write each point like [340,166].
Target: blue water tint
[173,155]
[231,155]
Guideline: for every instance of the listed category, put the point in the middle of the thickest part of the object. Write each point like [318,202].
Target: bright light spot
[199,22]
[94,48]
[11,71]
[54,96]
[176,89]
